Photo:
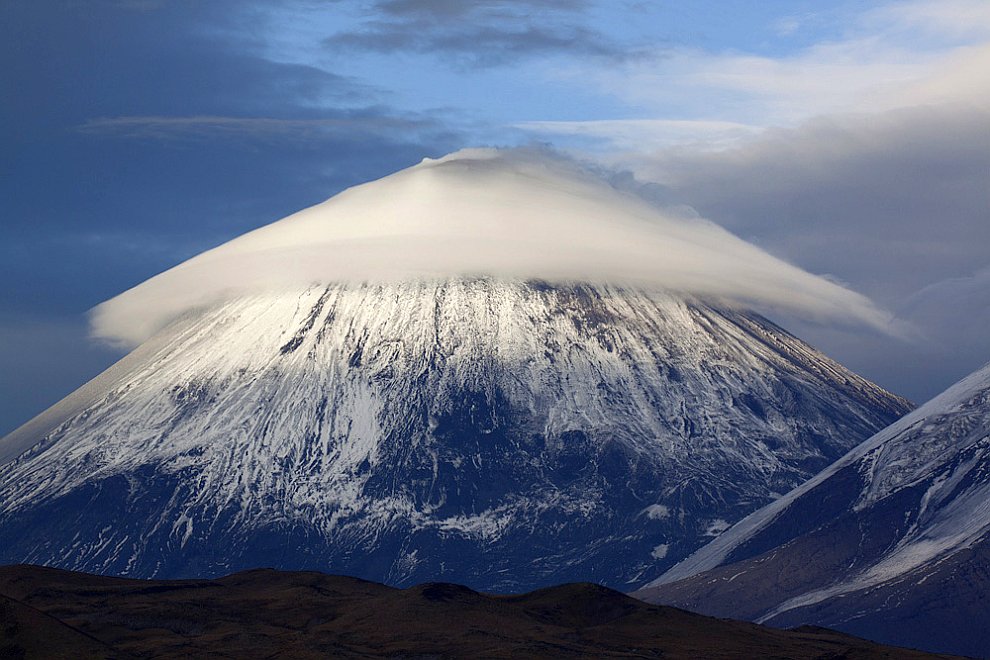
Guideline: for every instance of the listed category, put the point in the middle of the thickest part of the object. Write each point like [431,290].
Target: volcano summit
[491,369]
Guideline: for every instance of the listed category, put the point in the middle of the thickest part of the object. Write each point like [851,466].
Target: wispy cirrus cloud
[211,126]
[633,134]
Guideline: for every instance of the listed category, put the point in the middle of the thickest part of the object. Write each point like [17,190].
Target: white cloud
[867,158]
[897,55]
[937,19]
[632,134]
[518,214]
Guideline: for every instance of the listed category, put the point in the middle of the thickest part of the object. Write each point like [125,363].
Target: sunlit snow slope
[503,434]
[890,542]
[411,382]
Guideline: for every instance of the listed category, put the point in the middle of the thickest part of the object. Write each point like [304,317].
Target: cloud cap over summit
[522,214]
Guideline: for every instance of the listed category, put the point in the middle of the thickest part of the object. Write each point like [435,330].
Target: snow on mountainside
[503,434]
[892,541]
[474,370]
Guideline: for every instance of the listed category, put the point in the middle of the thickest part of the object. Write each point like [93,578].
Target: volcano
[398,385]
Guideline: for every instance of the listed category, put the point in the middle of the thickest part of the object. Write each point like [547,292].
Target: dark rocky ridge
[49,613]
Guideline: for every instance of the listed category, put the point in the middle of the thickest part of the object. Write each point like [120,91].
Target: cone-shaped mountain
[356,399]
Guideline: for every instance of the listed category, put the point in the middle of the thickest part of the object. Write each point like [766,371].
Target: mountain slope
[492,368]
[264,614]
[500,433]
[892,541]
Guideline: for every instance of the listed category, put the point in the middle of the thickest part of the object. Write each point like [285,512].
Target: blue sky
[848,138]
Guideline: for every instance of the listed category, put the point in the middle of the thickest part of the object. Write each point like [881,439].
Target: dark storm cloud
[955,314]
[482,33]
[897,205]
[136,134]
[459,8]
[889,202]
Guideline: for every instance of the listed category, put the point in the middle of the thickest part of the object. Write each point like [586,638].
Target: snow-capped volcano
[891,542]
[495,429]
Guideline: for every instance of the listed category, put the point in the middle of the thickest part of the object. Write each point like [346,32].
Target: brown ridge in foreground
[51,613]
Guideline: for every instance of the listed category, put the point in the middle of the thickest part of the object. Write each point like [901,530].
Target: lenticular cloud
[482,212]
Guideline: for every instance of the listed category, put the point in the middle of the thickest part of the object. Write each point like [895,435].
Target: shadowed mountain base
[52,613]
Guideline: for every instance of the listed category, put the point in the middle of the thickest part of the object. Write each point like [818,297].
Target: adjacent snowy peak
[482,212]
[899,525]
[500,433]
